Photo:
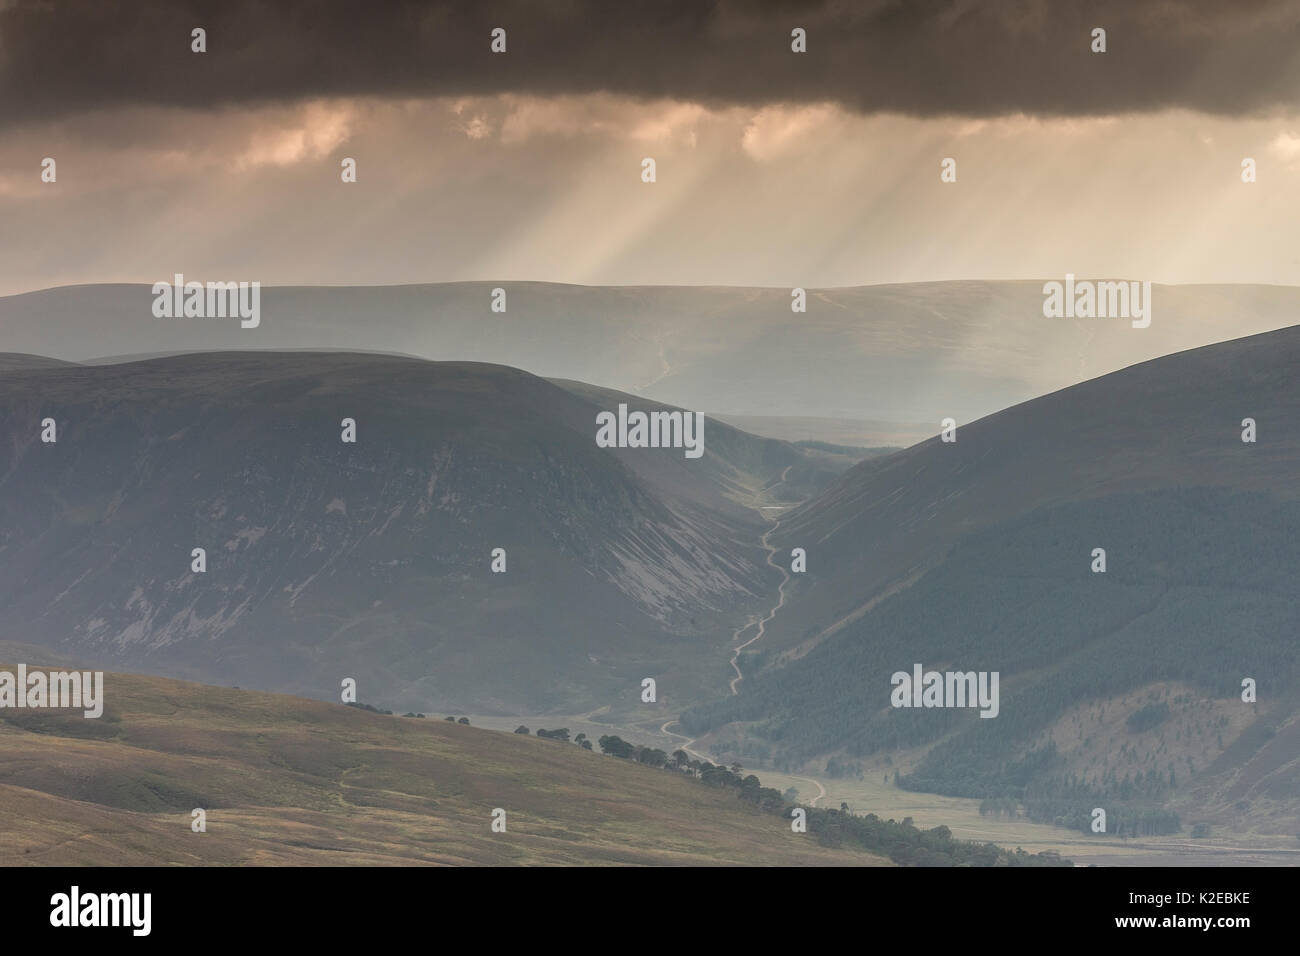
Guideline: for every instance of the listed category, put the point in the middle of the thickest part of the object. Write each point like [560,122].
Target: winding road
[762,623]
[821,791]
[686,746]
[762,628]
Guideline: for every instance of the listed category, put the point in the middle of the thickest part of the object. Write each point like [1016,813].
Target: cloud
[1287,145]
[763,197]
[775,131]
[321,129]
[922,57]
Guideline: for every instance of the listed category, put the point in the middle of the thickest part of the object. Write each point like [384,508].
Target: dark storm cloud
[924,57]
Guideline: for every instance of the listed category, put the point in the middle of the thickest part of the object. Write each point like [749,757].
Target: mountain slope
[371,560]
[1118,689]
[1170,423]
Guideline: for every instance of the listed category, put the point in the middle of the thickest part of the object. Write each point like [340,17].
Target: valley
[626,563]
[374,559]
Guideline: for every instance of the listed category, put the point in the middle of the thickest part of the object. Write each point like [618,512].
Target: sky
[773,168]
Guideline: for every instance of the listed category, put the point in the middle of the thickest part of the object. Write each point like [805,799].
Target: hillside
[373,559]
[1120,688]
[285,780]
[1167,424]
[910,353]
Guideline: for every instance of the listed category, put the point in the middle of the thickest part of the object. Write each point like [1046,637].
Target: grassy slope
[291,781]
[1170,423]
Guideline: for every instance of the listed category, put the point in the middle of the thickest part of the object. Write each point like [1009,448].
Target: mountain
[1122,688]
[373,560]
[904,354]
[284,780]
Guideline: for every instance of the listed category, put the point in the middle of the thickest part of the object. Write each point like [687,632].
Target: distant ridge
[906,353]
